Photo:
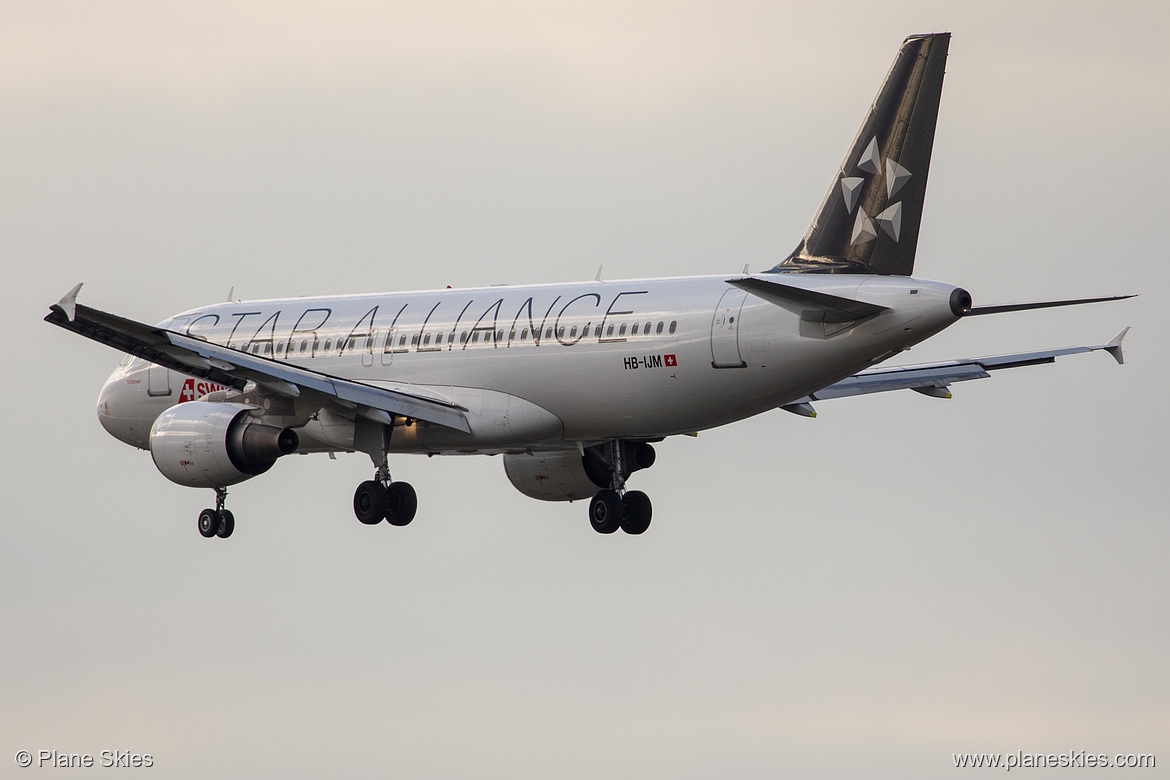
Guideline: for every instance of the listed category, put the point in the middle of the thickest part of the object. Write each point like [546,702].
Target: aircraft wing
[233,368]
[935,378]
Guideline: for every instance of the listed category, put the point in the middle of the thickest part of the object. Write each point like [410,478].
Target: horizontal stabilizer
[812,306]
[233,368]
[1038,305]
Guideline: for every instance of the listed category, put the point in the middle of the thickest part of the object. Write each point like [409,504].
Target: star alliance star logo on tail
[890,219]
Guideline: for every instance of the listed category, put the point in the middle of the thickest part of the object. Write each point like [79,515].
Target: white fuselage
[547,366]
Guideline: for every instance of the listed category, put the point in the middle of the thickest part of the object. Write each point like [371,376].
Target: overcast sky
[863,594]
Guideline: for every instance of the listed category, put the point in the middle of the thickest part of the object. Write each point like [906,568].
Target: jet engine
[569,476]
[212,445]
[551,476]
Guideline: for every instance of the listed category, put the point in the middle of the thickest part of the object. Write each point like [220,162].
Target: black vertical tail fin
[868,222]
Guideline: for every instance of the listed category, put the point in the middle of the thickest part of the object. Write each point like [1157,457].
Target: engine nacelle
[569,476]
[551,476]
[203,444]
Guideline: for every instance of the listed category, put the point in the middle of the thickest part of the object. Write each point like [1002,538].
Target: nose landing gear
[219,521]
[616,507]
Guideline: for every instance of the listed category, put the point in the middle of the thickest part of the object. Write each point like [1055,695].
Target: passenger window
[673,326]
[463,338]
[280,348]
[427,340]
[548,335]
[328,344]
[573,332]
[634,330]
[597,333]
[439,339]
[304,345]
[414,340]
[500,336]
[646,329]
[622,330]
[609,331]
[475,337]
[268,348]
[659,331]
[524,334]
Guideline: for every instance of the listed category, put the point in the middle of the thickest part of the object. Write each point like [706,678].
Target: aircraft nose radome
[115,413]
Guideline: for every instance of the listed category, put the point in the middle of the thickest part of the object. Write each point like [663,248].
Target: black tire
[402,504]
[227,524]
[369,502]
[636,512]
[605,512]
[208,523]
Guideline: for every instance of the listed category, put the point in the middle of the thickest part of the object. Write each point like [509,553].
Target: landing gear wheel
[208,523]
[369,502]
[227,524]
[402,503]
[636,511]
[605,511]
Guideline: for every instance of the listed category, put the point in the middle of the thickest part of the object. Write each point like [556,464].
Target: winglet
[1114,347]
[68,304]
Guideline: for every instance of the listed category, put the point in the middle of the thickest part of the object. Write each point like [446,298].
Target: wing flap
[901,379]
[926,377]
[233,368]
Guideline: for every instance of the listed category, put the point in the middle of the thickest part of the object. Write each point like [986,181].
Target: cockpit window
[126,361]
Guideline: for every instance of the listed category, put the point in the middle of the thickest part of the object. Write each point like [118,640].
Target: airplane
[572,384]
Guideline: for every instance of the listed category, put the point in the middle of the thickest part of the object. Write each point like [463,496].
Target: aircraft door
[725,331]
[158,381]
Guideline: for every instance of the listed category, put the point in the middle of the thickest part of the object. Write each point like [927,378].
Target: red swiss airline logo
[197,388]
[669,360]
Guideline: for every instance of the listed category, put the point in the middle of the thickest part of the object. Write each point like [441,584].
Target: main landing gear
[380,498]
[219,521]
[375,500]
[616,507]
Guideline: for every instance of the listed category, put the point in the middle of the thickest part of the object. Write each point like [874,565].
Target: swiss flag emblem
[669,360]
[194,389]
